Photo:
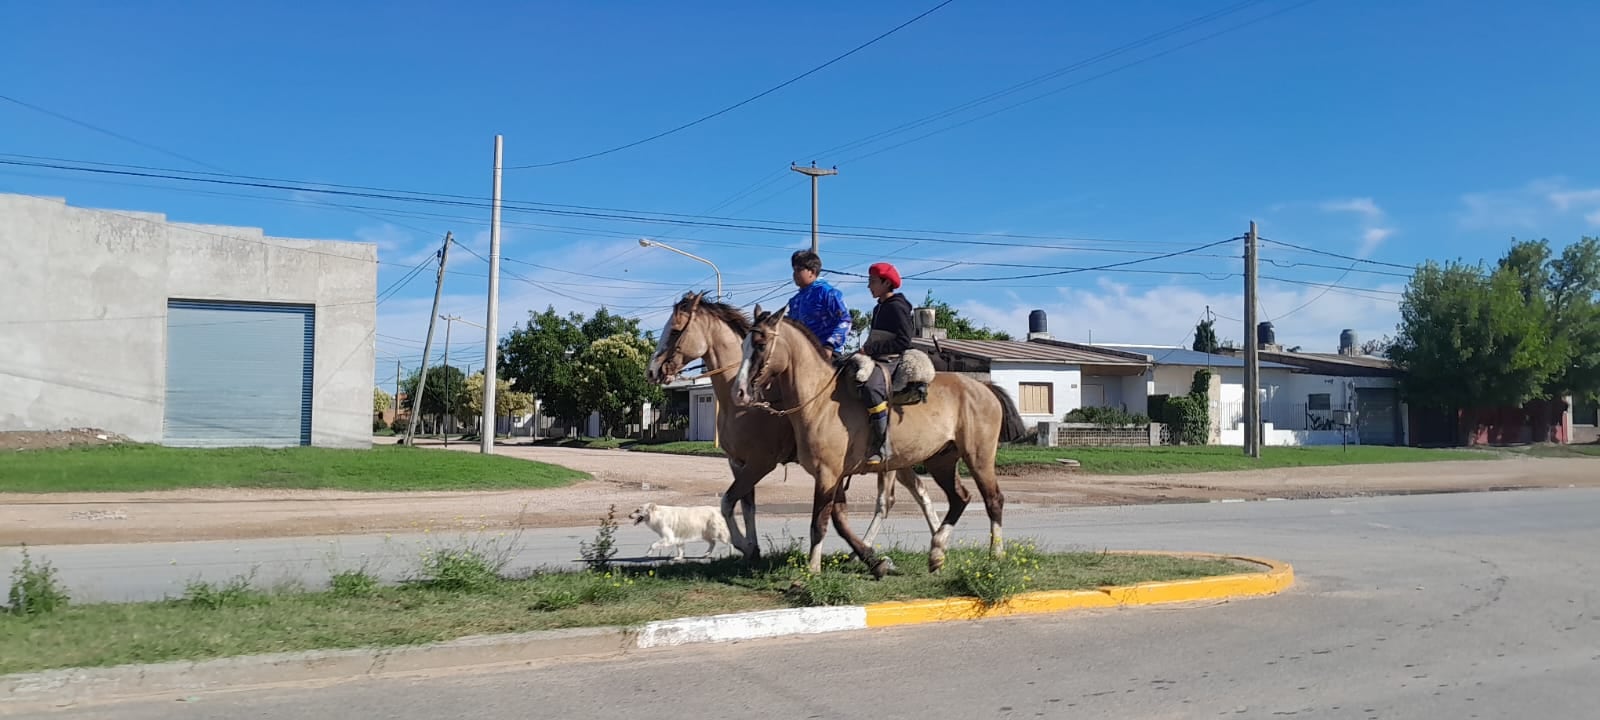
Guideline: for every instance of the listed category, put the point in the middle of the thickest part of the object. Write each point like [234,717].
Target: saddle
[909,375]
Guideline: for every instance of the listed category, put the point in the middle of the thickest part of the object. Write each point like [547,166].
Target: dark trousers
[875,393]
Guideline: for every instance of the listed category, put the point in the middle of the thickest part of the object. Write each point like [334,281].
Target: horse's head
[762,358]
[679,343]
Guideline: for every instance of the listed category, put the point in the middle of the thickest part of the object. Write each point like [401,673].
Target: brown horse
[962,419]
[754,440]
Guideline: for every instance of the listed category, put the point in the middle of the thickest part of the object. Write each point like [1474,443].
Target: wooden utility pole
[449,396]
[396,403]
[1252,351]
[815,173]
[427,344]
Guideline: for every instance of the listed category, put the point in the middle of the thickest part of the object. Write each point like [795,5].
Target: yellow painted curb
[1277,577]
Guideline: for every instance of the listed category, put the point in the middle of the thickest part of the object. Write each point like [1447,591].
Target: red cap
[887,272]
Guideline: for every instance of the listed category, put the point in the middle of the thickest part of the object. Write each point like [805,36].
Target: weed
[458,570]
[237,591]
[833,586]
[995,580]
[598,555]
[35,589]
[353,584]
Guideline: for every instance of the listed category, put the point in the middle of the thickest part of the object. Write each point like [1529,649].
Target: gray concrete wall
[83,301]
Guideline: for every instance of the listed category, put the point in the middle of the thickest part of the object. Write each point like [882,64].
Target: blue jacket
[820,307]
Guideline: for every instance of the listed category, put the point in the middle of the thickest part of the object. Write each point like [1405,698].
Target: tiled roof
[1014,351]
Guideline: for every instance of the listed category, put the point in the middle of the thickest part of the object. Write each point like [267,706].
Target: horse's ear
[783,311]
[758,312]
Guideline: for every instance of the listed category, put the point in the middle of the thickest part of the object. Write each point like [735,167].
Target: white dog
[677,525]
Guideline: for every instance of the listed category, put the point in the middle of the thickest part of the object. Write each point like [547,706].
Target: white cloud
[1374,221]
[1529,207]
[1166,315]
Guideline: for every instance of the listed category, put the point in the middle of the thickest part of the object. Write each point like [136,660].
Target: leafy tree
[1378,347]
[507,402]
[957,327]
[1468,338]
[444,382]
[540,355]
[381,402]
[611,379]
[1205,337]
[1568,289]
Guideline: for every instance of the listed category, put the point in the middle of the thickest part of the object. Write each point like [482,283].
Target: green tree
[1205,337]
[381,402]
[957,327]
[444,382]
[1468,338]
[1570,295]
[541,354]
[507,402]
[611,379]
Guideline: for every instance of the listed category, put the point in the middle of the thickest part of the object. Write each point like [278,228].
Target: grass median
[1167,459]
[139,467]
[459,592]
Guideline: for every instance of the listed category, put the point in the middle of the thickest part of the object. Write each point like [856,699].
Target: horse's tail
[1012,428]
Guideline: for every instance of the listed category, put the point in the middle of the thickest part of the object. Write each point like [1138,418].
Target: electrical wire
[741,103]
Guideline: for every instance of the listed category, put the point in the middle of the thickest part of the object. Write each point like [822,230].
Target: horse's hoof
[935,561]
[881,568]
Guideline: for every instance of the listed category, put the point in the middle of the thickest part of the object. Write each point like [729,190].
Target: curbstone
[79,685]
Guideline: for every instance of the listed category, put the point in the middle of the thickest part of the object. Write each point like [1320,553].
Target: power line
[1337,255]
[1085,81]
[741,103]
[1068,271]
[1036,80]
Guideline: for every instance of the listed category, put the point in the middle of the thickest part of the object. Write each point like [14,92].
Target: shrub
[1106,417]
[1189,418]
[35,589]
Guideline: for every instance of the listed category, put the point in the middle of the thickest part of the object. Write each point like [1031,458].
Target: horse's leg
[908,478]
[821,509]
[881,510]
[943,469]
[743,491]
[981,463]
[879,566]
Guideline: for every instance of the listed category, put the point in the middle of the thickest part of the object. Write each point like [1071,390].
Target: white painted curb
[751,625]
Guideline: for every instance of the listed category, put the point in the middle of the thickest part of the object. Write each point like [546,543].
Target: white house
[1367,387]
[1046,379]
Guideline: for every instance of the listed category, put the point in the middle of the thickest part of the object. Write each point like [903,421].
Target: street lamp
[643,242]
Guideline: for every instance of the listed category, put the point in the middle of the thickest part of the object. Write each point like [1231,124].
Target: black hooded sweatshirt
[892,328]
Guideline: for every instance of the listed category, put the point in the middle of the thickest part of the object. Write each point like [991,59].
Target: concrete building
[182,334]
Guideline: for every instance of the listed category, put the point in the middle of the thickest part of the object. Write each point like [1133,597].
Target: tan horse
[754,440]
[962,419]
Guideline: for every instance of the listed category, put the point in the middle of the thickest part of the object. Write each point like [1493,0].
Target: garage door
[238,374]
[1377,416]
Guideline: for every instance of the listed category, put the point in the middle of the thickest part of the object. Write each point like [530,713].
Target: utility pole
[490,346]
[449,397]
[427,344]
[396,403]
[1252,351]
[815,172]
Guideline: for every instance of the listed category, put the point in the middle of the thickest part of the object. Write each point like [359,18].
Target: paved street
[1445,606]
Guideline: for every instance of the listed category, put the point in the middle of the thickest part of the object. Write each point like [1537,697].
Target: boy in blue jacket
[819,306]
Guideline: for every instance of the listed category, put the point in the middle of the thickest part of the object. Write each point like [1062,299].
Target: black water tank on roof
[1036,322]
[1265,335]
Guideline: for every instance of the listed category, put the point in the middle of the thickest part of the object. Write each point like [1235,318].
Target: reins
[832,381]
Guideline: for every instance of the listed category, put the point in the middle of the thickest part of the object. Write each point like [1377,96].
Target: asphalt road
[1444,606]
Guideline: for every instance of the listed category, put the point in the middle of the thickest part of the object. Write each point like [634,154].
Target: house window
[1037,398]
[1319,401]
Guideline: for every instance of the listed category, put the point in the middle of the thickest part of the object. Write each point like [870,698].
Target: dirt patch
[49,439]
[630,479]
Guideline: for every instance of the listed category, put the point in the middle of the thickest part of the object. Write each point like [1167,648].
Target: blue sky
[1387,131]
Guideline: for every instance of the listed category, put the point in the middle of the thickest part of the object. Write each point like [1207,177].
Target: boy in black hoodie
[890,335]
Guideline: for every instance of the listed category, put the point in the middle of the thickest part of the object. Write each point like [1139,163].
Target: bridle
[764,376]
[675,337]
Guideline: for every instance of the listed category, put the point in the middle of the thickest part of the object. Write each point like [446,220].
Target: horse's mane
[732,316]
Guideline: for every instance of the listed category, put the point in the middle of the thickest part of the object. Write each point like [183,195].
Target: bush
[1189,418]
[833,586]
[35,590]
[353,584]
[201,594]
[1106,417]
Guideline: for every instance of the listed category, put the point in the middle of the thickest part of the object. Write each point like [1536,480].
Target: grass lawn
[123,468]
[1565,451]
[682,447]
[1187,459]
[213,621]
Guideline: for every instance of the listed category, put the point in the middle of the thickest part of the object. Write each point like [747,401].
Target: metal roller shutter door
[238,374]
